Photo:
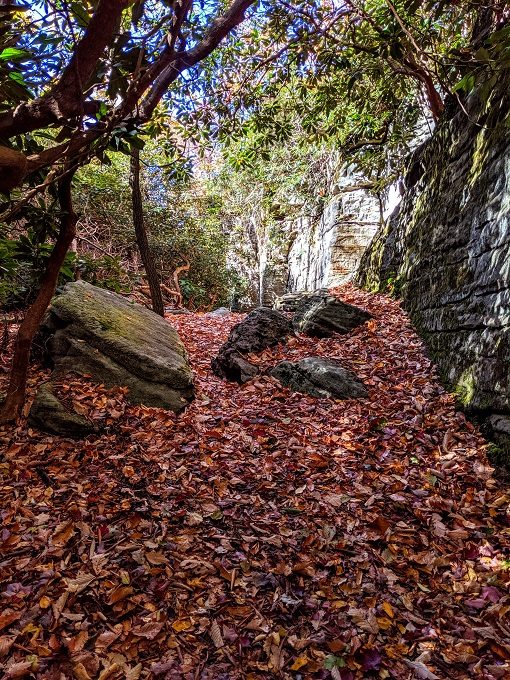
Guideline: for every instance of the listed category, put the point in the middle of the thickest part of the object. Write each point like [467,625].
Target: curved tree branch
[65,98]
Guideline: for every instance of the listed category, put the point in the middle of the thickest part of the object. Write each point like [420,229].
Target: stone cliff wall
[327,250]
[447,251]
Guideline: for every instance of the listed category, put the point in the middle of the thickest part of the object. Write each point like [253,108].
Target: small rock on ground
[320,378]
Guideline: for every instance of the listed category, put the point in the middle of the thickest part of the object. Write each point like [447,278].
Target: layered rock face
[447,248]
[92,331]
[328,250]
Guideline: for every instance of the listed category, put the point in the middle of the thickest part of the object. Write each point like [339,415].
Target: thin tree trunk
[15,398]
[141,236]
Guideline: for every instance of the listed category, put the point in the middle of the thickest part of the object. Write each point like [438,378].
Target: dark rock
[320,378]
[322,315]
[291,301]
[48,413]
[446,250]
[262,328]
[497,428]
[231,365]
[92,331]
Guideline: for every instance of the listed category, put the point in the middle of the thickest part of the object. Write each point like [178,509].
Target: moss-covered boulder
[95,332]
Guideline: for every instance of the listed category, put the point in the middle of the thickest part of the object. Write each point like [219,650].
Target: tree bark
[15,398]
[141,235]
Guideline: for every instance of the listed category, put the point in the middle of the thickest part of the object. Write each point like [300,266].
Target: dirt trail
[261,534]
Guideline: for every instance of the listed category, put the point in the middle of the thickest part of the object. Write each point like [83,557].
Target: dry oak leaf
[198,566]
[119,593]
[80,672]
[336,499]
[420,670]
[155,558]
[182,624]
[113,671]
[82,581]
[5,644]
[44,602]
[299,663]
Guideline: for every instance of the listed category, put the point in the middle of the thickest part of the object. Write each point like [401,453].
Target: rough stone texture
[497,428]
[320,378]
[221,311]
[230,364]
[327,250]
[262,328]
[291,301]
[447,248]
[48,413]
[319,244]
[92,331]
[321,315]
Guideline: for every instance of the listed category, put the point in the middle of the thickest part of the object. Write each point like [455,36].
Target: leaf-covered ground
[261,534]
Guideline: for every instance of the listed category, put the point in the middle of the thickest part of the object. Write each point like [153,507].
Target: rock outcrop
[446,251]
[321,315]
[262,328]
[327,249]
[91,331]
[320,378]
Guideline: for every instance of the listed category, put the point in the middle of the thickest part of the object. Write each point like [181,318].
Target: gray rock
[291,301]
[320,378]
[92,331]
[497,428]
[177,310]
[322,315]
[446,250]
[48,413]
[221,311]
[262,328]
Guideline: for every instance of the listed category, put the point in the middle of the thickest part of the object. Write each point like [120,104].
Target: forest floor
[260,534]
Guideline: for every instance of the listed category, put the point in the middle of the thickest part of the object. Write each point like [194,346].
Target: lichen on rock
[92,331]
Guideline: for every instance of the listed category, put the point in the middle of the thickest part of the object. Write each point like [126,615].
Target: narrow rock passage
[261,533]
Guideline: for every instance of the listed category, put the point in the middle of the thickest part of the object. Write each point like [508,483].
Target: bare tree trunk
[141,236]
[13,403]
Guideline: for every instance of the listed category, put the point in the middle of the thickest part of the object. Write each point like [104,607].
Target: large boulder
[320,378]
[92,331]
[262,328]
[321,315]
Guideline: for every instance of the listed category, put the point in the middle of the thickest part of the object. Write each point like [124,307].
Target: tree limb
[65,98]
